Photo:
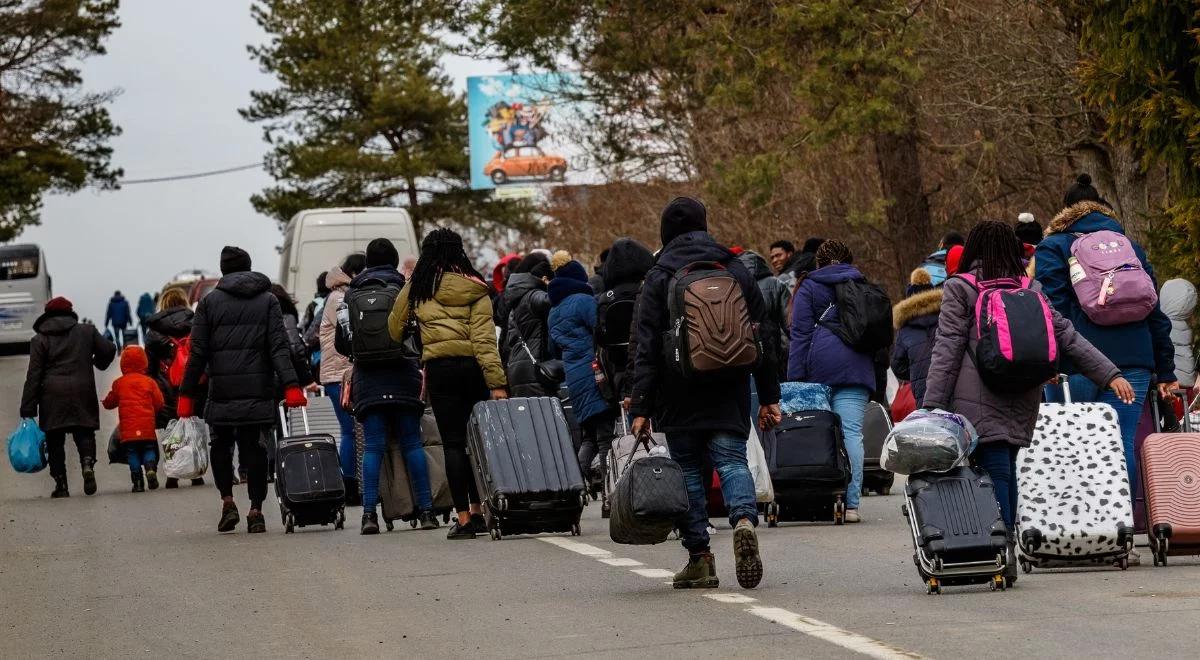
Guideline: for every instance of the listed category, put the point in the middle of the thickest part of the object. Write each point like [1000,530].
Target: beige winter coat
[333,364]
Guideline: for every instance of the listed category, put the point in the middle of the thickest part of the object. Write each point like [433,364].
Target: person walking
[137,400]
[794,266]
[774,329]
[334,366]
[705,417]
[60,388]
[1004,422]
[915,320]
[818,355]
[449,299]
[238,340]
[626,268]
[118,317]
[525,339]
[145,309]
[1178,301]
[168,347]
[386,393]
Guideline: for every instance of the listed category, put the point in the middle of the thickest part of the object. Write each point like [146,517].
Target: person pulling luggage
[335,365]
[703,406]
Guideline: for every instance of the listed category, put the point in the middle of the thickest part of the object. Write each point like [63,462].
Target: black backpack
[864,315]
[614,319]
[370,305]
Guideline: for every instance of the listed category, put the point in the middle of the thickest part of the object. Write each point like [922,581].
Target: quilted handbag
[650,496]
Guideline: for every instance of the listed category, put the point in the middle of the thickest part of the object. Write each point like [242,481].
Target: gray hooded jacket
[1178,301]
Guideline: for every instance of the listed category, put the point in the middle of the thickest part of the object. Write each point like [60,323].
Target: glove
[183,407]
[293,397]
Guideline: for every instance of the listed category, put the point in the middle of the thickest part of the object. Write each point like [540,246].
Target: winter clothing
[296,348]
[816,354]
[628,262]
[234,260]
[498,281]
[569,280]
[454,386]
[953,257]
[1028,230]
[60,386]
[920,280]
[136,398]
[457,322]
[774,328]
[1082,191]
[118,314]
[248,439]
[572,327]
[559,259]
[1143,344]
[626,267]
[59,304]
[387,383]
[682,215]
[529,308]
[238,340]
[1178,302]
[382,252]
[916,320]
[333,364]
[163,330]
[954,384]
[145,307]
[801,264]
[714,403]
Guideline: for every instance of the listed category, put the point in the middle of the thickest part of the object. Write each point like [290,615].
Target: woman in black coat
[60,388]
[166,334]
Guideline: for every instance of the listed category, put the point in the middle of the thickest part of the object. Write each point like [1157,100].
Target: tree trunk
[908,218]
[414,209]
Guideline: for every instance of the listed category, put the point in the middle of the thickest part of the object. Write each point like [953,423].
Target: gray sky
[185,71]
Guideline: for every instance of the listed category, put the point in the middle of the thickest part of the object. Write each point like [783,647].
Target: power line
[194,175]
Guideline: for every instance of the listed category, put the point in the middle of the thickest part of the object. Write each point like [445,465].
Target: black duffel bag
[649,498]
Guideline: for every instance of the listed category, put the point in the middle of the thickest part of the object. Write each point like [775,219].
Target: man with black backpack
[697,345]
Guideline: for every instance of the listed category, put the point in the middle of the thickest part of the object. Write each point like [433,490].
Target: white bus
[319,239]
[24,290]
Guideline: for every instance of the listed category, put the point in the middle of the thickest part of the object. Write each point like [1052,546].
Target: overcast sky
[184,72]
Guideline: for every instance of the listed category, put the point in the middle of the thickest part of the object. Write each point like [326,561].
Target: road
[122,575]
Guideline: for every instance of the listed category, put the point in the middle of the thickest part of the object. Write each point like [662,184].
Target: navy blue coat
[387,383]
[1145,344]
[572,325]
[916,320]
[118,313]
[816,354]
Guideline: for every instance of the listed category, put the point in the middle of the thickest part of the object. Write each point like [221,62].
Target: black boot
[353,495]
[171,483]
[89,475]
[1010,570]
[370,523]
[139,486]
[152,476]
[428,520]
[60,487]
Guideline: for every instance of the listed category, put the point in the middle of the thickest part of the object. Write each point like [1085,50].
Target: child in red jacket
[137,398]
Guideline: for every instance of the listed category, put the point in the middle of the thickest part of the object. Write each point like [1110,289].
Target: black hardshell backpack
[370,305]
[614,319]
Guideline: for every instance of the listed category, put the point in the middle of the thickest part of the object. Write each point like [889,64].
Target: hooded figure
[165,332]
[145,307]
[525,338]
[916,319]
[626,265]
[572,328]
[1178,302]
[136,397]
[775,294]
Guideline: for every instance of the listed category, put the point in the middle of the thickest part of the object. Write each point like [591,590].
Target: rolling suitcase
[877,423]
[396,498]
[958,535]
[308,479]
[322,419]
[528,477]
[1170,467]
[1074,505]
[131,337]
[809,468]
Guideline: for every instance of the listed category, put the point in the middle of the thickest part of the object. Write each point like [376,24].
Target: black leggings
[454,386]
[56,448]
[251,455]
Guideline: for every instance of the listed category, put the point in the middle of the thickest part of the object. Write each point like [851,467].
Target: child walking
[1005,421]
[137,399]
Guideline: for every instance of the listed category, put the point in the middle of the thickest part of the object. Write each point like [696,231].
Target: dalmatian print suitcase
[1074,506]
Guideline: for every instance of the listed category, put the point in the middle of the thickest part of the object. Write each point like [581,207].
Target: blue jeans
[850,404]
[728,454]
[999,460]
[141,453]
[407,427]
[1128,414]
[345,420]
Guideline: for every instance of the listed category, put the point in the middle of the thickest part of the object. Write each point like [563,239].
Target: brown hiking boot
[749,566]
[700,573]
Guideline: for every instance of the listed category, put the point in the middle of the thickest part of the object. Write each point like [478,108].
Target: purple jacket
[816,354]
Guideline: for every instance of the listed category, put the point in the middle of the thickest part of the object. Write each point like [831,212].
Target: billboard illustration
[518,129]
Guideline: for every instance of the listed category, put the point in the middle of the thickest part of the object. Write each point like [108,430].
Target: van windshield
[19,262]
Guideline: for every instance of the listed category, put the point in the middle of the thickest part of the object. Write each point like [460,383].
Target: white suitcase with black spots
[1074,506]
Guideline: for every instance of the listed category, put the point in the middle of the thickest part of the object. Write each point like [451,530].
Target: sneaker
[479,523]
[370,524]
[229,517]
[460,531]
[700,573]
[152,479]
[255,522]
[852,516]
[171,483]
[749,566]
[429,521]
[60,488]
[89,478]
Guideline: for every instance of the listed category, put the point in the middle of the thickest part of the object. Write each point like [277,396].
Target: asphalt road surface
[122,575]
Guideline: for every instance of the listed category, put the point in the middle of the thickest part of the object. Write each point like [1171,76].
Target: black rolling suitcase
[877,423]
[958,535]
[308,479]
[526,471]
[809,468]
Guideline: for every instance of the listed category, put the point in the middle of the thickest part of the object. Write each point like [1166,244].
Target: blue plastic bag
[27,447]
[799,397]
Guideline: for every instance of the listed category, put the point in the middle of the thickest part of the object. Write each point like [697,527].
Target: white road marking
[577,547]
[653,572]
[731,598]
[831,633]
[620,561]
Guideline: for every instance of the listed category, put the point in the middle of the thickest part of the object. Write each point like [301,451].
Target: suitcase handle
[1186,422]
[283,419]
[1066,387]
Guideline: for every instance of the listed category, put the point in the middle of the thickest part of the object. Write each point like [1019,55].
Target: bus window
[19,262]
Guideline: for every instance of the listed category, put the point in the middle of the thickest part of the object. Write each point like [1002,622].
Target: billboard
[520,129]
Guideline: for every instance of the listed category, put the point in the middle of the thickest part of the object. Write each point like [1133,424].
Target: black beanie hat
[381,252]
[234,260]
[1082,191]
[682,215]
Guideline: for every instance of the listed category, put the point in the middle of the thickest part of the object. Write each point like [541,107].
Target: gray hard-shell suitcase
[528,477]
[396,498]
[322,418]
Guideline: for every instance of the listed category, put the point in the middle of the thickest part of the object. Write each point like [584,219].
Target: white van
[319,239]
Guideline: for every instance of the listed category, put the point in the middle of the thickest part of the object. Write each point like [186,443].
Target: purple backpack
[1110,283]
[1016,349]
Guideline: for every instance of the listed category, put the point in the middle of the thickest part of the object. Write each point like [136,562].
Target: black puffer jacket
[60,384]
[162,329]
[717,402]
[388,382]
[627,265]
[297,349]
[529,308]
[774,328]
[238,339]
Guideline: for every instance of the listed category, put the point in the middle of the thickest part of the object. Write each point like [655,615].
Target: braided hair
[441,252]
[996,249]
[833,251]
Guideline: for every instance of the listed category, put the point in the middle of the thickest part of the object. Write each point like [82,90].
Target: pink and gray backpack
[1110,283]
[1016,349]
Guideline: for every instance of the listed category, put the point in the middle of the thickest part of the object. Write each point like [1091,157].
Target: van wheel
[499,177]
[558,173]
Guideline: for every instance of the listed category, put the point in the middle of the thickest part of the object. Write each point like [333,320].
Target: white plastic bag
[185,449]
[928,441]
[764,490]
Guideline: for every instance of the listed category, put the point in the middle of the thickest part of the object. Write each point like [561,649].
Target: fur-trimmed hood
[926,303]
[1075,213]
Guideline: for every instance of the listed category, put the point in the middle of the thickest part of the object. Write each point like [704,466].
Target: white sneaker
[852,516]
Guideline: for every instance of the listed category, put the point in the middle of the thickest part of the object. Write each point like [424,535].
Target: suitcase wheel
[340,521]
[495,534]
[289,524]
[839,511]
[1123,562]
[933,587]
[575,530]
[998,583]
[772,514]
[1026,566]
[886,490]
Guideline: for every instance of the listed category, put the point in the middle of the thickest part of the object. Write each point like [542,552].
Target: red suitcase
[1170,467]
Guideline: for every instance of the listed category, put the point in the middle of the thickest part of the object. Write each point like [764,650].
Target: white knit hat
[1026,217]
